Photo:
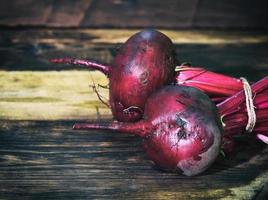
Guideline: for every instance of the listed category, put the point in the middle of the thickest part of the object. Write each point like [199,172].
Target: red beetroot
[145,62]
[181,129]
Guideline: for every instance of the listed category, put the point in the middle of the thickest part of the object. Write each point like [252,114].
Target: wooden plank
[43,13]
[52,95]
[43,158]
[135,13]
[47,159]
[140,13]
[66,94]
[231,14]
[27,12]
[68,13]
[55,95]
[231,52]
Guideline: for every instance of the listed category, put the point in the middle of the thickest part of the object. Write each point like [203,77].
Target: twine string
[250,106]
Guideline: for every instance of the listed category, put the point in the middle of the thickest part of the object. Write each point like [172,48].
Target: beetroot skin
[181,129]
[145,62]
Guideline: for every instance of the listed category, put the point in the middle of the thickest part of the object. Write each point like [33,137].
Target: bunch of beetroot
[172,107]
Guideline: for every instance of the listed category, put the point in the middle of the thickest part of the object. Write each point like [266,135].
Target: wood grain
[41,157]
[47,159]
[232,52]
[68,13]
[138,13]
[171,14]
[52,95]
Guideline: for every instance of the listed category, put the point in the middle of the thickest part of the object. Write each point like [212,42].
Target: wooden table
[41,157]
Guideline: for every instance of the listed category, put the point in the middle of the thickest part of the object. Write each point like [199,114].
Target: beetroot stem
[237,99]
[92,65]
[262,128]
[214,84]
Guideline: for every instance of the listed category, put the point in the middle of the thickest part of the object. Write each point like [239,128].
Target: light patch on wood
[180,36]
[97,37]
[202,194]
[51,95]
[11,159]
[248,191]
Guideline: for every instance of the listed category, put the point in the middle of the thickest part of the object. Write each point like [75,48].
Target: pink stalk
[213,84]
[217,100]
[263,138]
[262,128]
[86,63]
[234,112]
[239,98]
[137,128]
[240,119]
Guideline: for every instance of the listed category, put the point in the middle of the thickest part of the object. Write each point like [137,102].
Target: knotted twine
[250,106]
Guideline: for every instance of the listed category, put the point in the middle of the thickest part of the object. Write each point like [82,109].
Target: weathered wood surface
[240,53]
[135,13]
[41,157]
[32,89]
[52,95]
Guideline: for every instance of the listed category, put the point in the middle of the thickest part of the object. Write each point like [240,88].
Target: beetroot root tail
[140,128]
[86,63]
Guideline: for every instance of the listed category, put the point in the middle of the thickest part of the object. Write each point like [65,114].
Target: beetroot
[181,129]
[145,62]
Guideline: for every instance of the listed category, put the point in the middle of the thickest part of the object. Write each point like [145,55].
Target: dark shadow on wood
[31,49]
[135,13]
[50,154]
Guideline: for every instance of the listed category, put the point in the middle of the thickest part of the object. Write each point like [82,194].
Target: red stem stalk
[140,128]
[89,64]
